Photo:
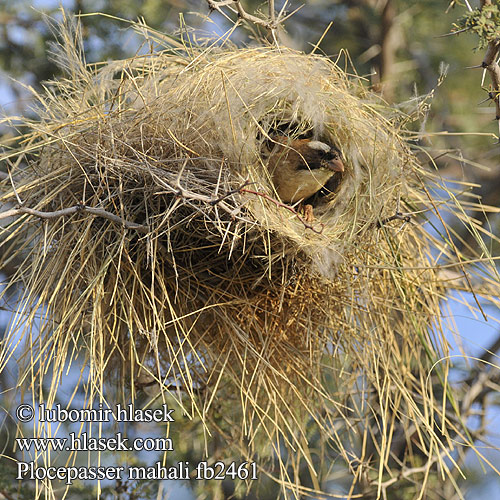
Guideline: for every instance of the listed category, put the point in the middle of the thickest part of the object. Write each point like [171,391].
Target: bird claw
[308,214]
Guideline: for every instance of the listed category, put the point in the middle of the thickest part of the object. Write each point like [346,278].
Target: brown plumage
[301,167]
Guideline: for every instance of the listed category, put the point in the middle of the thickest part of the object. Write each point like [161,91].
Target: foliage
[484,22]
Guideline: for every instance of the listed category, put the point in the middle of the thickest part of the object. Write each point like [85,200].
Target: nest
[174,261]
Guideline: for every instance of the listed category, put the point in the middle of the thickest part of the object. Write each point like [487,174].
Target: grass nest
[150,233]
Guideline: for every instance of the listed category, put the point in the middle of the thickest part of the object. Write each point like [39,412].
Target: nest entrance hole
[297,131]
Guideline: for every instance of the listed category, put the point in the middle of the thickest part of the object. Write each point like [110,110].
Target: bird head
[324,156]
[301,167]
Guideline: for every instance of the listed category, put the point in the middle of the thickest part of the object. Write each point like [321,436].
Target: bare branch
[456,32]
[216,201]
[99,212]
[491,65]
[483,384]
[235,6]
[397,216]
[272,13]
[178,190]
[491,351]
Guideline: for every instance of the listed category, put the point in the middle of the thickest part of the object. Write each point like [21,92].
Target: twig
[396,216]
[479,389]
[210,200]
[99,212]
[452,33]
[235,6]
[490,64]
[272,13]
[405,473]
[288,207]
[168,386]
[230,193]
[491,351]
[479,368]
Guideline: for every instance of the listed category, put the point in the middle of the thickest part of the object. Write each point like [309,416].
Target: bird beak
[336,165]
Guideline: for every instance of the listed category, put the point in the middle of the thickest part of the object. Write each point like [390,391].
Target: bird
[301,167]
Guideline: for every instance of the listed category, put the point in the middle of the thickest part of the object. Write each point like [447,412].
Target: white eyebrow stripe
[318,145]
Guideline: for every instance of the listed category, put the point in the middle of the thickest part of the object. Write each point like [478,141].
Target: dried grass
[208,285]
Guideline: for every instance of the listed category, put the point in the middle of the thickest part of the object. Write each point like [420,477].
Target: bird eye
[328,155]
[335,154]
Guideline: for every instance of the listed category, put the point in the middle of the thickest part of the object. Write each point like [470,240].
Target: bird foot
[308,214]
